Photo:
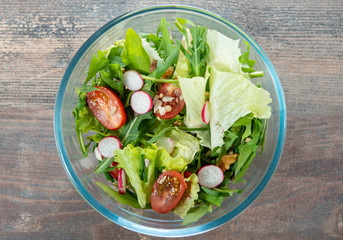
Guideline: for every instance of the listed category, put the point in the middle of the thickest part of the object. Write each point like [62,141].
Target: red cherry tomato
[167,191]
[187,174]
[115,172]
[106,107]
[172,101]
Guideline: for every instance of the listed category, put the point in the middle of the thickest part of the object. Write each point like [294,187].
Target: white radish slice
[167,143]
[210,176]
[122,181]
[108,145]
[140,102]
[132,80]
[97,154]
[205,113]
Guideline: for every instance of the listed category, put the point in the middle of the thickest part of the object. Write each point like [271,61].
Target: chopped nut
[248,139]
[153,65]
[113,111]
[161,95]
[181,98]
[155,99]
[167,99]
[169,72]
[162,180]
[226,161]
[157,104]
[168,108]
[162,110]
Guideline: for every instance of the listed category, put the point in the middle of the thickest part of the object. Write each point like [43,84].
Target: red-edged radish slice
[140,102]
[205,113]
[132,80]
[210,176]
[122,181]
[167,143]
[97,154]
[108,145]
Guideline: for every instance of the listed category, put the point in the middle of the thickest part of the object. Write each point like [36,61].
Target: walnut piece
[227,160]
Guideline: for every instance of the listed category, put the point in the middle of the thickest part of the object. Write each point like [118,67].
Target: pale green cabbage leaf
[186,145]
[233,96]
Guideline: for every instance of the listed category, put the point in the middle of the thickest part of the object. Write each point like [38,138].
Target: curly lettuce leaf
[193,92]
[188,198]
[233,96]
[129,158]
[167,162]
[224,52]
[186,145]
[153,54]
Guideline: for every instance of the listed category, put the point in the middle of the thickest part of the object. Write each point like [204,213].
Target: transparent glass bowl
[80,170]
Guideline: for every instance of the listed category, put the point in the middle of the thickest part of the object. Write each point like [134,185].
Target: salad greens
[207,67]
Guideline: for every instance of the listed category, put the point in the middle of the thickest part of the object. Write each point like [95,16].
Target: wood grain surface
[303,39]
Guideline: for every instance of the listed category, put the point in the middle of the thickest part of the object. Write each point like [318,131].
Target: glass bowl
[80,170]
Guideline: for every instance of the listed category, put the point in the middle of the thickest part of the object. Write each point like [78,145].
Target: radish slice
[210,176]
[97,154]
[205,113]
[141,102]
[108,145]
[132,80]
[167,143]
[122,181]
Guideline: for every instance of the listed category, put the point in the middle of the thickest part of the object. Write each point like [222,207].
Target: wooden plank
[303,39]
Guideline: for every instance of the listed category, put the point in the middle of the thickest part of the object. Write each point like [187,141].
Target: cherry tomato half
[115,172]
[167,191]
[106,107]
[172,101]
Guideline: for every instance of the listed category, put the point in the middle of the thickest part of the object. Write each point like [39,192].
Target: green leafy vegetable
[104,164]
[134,55]
[248,64]
[132,128]
[188,198]
[197,49]
[97,63]
[196,213]
[121,198]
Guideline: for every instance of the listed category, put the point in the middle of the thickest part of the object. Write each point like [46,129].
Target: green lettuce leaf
[233,96]
[193,92]
[224,52]
[134,54]
[167,162]
[186,145]
[188,198]
[196,213]
[153,54]
[129,158]
[124,199]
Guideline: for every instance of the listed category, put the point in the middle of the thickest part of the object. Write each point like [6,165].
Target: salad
[173,122]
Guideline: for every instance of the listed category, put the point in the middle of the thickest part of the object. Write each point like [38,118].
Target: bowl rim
[158,232]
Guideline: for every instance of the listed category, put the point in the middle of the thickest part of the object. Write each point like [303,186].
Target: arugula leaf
[248,64]
[121,198]
[194,214]
[134,55]
[104,164]
[212,196]
[162,40]
[132,128]
[87,88]
[169,61]
[113,78]
[197,51]
[97,63]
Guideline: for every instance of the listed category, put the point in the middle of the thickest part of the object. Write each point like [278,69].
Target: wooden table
[304,199]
